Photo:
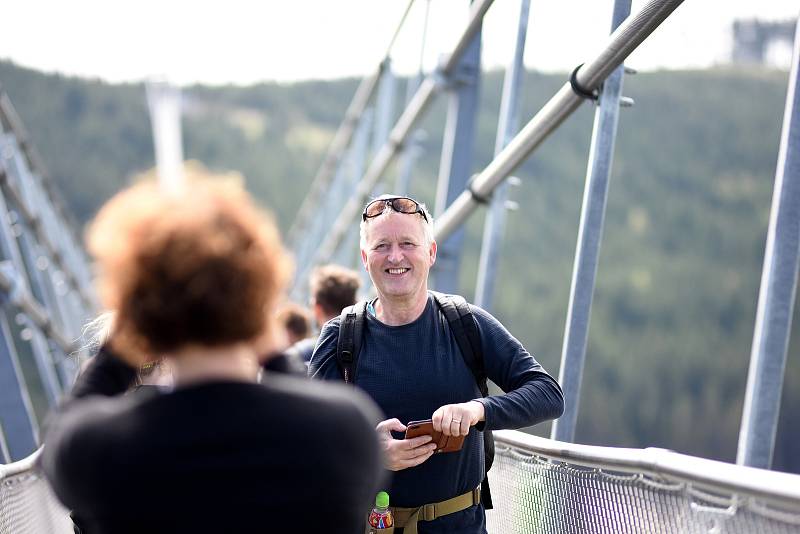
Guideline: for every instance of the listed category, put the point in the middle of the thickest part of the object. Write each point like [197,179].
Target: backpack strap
[462,324]
[351,330]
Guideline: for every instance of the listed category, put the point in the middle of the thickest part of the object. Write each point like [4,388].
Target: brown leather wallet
[443,443]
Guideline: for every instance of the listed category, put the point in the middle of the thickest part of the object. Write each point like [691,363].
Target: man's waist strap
[407,518]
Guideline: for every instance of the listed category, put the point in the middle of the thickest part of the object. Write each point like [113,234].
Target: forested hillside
[682,249]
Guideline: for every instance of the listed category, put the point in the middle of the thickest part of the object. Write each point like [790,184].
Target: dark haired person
[195,279]
[296,321]
[410,363]
[333,288]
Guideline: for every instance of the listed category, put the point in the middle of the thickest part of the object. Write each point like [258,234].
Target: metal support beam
[356,160]
[5,454]
[9,246]
[621,43]
[777,294]
[341,140]
[14,280]
[12,283]
[413,149]
[44,287]
[590,233]
[456,163]
[384,107]
[507,126]
[70,258]
[17,419]
[400,132]
[349,171]
[164,101]
[11,176]
[46,365]
[413,152]
[306,213]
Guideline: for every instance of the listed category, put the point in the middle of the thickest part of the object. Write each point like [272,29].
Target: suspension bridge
[540,485]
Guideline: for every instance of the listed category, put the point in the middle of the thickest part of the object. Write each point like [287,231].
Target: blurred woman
[196,279]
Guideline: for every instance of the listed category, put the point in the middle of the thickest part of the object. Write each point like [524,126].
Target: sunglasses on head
[398,204]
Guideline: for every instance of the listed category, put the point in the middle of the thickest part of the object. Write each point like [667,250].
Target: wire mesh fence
[547,489]
[537,492]
[27,504]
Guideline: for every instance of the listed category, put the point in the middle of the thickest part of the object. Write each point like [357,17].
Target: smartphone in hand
[443,443]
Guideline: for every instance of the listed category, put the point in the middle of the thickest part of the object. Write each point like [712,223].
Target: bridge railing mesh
[542,486]
[27,504]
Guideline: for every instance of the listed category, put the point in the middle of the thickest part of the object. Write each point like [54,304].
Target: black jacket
[285,456]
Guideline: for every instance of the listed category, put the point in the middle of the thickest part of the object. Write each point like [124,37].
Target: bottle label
[381,520]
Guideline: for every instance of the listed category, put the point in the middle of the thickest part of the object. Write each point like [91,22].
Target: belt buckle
[429,512]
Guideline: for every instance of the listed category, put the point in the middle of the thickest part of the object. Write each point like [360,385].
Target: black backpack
[463,327]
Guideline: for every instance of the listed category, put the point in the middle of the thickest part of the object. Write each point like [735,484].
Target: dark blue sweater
[413,369]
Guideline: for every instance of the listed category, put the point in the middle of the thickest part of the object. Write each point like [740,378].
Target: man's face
[397,256]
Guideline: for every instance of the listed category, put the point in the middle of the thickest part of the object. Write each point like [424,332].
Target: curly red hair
[204,268]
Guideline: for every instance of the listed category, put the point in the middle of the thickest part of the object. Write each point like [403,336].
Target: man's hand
[456,419]
[402,453]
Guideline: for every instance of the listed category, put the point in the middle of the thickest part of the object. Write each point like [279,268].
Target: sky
[245,41]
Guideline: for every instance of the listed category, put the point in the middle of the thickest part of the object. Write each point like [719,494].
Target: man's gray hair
[427,226]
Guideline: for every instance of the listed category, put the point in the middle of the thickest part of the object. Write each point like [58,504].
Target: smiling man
[418,360]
